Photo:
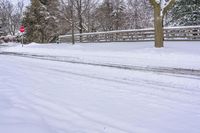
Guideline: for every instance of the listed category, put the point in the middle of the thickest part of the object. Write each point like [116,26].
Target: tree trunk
[80,19]
[72,24]
[80,26]
[158,20]
[158,24]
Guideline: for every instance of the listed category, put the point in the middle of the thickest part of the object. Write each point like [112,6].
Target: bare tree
[11,15]
[16,17]
[72,20]
[6,10]
[81,14]
[139,14]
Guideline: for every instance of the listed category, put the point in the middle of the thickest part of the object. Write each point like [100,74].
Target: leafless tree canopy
[11,16]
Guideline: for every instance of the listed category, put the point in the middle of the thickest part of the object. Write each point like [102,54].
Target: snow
[158,1]
[163,4]
[183,55]
[47,96]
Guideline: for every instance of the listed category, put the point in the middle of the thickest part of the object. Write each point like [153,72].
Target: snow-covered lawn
[44,96]
[175,54]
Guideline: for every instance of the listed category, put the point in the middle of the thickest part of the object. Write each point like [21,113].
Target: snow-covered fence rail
[170,33]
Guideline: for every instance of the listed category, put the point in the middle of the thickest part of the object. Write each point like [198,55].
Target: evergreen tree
[40,21]
[35,22]
[186,13]
[111,15]
[118,14]
[53,19]
[104,15]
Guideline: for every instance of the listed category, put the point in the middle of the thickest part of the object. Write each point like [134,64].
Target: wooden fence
[185,33]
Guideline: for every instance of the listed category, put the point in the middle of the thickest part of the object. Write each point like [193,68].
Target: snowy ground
[65,89]
[175,54]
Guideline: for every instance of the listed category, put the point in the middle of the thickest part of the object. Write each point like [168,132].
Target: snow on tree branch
[158,1]
[168,4]
[164,5]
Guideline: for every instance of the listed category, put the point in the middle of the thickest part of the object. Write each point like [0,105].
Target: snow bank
[175,54]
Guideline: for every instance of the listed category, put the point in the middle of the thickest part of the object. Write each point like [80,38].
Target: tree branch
[169,5]
[153,2]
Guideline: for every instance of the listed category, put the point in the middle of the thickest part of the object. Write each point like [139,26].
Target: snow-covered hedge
[8,38]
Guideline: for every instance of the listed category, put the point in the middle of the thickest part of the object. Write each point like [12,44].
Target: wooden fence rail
[186,33]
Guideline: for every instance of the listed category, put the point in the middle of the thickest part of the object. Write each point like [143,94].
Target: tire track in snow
[154,85]
[46,108]
[179,71]
[52,110]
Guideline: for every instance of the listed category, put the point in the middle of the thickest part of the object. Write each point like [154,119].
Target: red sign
[22,29]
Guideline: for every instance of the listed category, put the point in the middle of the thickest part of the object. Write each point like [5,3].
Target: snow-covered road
[58,97]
